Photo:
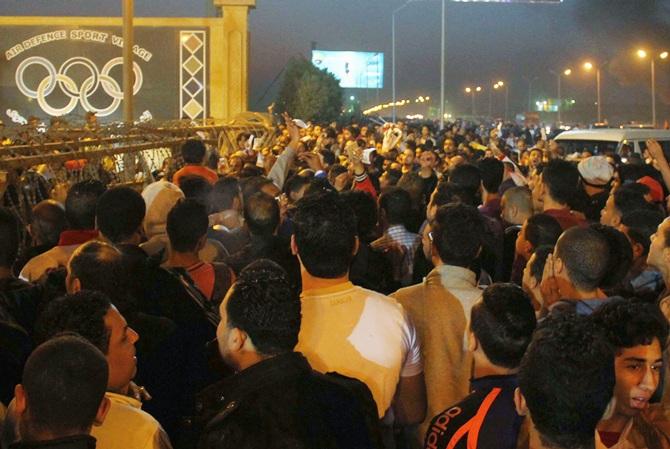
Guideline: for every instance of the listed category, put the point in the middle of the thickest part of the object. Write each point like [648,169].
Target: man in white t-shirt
[348,329]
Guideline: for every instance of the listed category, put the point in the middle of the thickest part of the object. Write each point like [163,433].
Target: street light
[588,66]
[500,85]
[642,54]
[396,11]
[566,72]
[472,92]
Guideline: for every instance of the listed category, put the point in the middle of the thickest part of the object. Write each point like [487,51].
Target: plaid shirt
[399,235]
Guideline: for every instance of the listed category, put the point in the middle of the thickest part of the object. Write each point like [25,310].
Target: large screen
[510,1]
[354,69]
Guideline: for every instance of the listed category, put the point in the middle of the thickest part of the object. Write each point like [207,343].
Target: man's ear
[514,211]
[202,242]
[559,266]
[74,285]
[520,403]
[103,409]
[473,344]
[294,246]
[638,250]
[236,339]
[20,403]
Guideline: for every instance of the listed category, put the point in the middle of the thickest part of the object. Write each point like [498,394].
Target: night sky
[485,42]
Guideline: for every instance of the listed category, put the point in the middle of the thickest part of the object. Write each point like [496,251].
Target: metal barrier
[42,161]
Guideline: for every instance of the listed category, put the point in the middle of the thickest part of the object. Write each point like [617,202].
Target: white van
[600,141]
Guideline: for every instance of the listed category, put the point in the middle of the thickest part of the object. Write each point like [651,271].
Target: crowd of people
[369,286]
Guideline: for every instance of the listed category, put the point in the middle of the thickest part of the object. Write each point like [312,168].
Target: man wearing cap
[595,174]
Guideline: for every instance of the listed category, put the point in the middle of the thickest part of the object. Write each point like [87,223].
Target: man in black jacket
[275,400]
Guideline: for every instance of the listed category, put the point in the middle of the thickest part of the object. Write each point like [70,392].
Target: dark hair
[542,229]
[197,188]
[503,322]
[119,213]
[628,199]
[325,233]
[537,268]
[457,232]
[446,193]
[397,204]
[253,185]
[223,194]
[642,224]
[328,157]
[9,238]
[48,221]
[263,304]
[567,378]
[82,313]
[620,255]
[193,151]
[64,381]
[491,171]
[561,179]
[100,267]
[295,183]
[187,223]
[261,214]
[586,256]
[631,322]
[80,203]
[365,208]
[466,176]
[393,176]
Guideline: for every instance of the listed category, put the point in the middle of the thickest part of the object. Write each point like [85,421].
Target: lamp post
[642,54]
[442,60]
[500,85]
[588,66]
[128,12]
[472,92]
[559,75]
[530,91]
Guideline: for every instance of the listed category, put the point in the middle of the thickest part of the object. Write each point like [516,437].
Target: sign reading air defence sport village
[64,71]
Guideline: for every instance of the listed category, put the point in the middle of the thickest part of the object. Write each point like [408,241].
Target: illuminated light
[468,90]
[427,98]
[501,84]
[496,86]
[641,54]
[352,98]
[479,89]
[567,72]
[588,66]
[663,55]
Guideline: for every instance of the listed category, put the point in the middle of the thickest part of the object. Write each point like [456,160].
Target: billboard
[51,71]
[354,69]
[510,1]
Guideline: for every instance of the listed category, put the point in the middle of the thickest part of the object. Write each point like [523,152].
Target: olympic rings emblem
[76,94]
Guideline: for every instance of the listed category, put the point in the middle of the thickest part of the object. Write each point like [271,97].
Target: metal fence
[42,161]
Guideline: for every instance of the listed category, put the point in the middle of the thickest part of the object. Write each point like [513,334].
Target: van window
[665,144]
[592,146]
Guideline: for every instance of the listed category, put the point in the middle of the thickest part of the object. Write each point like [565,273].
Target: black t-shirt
[486,418]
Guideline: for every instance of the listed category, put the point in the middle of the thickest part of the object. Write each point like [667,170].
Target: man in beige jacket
[440,305]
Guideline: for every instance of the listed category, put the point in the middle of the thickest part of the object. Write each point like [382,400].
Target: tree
[309,93]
